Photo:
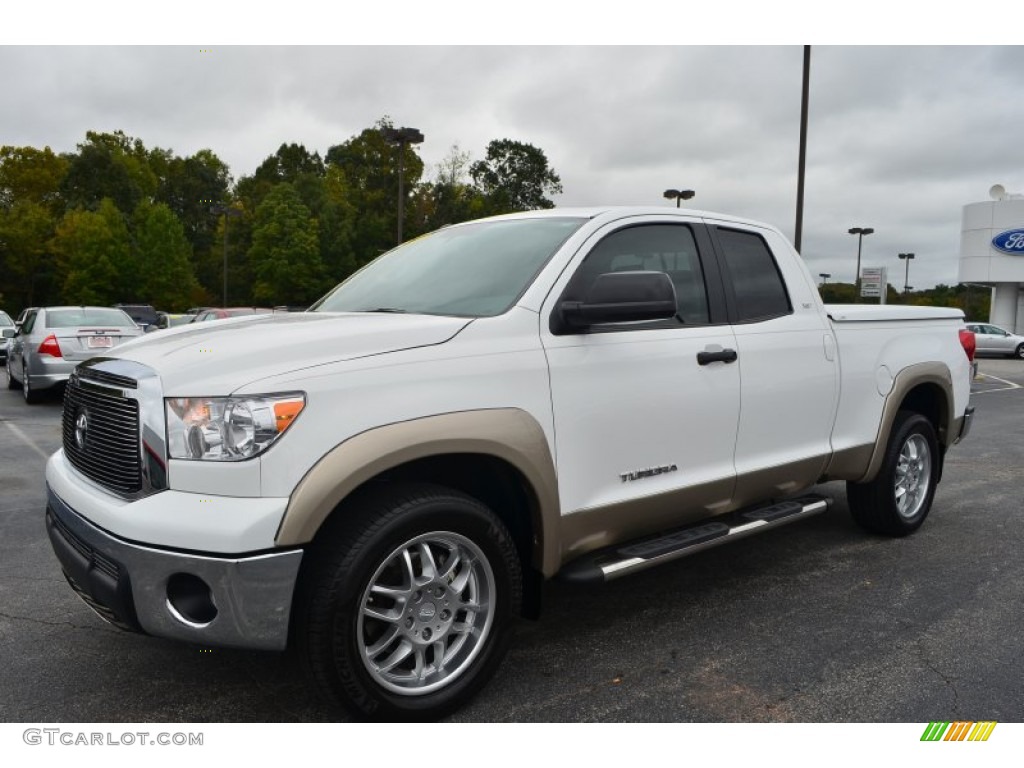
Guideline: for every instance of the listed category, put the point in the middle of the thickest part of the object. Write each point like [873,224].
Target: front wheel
[406,606]
[12,383]
[897,501]
[1019,352]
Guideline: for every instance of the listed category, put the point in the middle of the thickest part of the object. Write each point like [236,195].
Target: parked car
[219,313]
[51,341]
[143,314]
[7,332]
[171,320]
[993,340]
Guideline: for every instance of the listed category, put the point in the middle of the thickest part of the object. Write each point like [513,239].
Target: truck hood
[220,356]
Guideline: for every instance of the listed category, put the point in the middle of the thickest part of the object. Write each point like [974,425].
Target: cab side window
[757,284]
[668,248]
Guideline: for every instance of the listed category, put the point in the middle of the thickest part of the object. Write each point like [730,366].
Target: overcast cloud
[900,138]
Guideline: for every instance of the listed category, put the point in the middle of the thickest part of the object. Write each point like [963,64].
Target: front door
[644,433]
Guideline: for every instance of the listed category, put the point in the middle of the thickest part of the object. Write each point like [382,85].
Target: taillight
[968,342]
[50,347]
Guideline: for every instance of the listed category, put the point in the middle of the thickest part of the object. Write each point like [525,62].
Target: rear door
[788,365]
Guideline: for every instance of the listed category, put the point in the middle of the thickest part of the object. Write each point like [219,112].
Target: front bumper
[239,601]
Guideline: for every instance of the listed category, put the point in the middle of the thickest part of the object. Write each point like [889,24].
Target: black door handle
[724,356]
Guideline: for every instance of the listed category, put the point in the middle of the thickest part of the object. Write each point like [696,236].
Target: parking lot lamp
[401,137]
[824,277]
[906,273]
[679,195]
[860,232]
[227,211]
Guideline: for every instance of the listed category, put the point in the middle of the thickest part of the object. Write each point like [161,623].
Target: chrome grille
[109,453]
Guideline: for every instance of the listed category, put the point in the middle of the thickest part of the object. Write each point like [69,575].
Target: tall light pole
[906,274]
[824,277]
[401,137]
[860,232]
[798,232]
[679,195]
[227,211]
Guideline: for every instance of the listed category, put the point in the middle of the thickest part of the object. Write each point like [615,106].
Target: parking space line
[1009,385]
[27,440]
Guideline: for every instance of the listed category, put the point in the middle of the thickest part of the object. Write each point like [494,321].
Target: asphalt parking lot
[814,622]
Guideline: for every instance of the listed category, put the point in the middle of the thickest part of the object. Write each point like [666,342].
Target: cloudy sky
[900,138]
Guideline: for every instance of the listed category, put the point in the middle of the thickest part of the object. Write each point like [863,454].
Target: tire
[32,396]
[374,618]
[12,383]
[1019,352]
[897,501]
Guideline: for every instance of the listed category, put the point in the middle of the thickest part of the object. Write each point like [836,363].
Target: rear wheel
[1019,352]
[898,500]
[31,396]
[406,606]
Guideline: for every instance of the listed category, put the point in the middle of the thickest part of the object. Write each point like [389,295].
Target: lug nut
[426,633]
[445,615]
[409,622]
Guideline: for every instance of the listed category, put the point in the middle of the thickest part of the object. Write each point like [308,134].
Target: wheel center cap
[427,611]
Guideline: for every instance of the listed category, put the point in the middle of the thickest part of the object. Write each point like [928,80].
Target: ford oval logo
[1010,241]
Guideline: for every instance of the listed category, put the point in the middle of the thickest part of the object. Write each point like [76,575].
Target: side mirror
[621,297]
[9,333]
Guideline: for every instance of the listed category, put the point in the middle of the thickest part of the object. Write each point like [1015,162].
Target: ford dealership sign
[1010,241]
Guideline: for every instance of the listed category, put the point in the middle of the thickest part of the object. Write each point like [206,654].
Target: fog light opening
[189,600]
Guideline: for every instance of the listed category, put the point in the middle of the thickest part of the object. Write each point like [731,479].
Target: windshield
[475,270]
[80,316]
[5,320]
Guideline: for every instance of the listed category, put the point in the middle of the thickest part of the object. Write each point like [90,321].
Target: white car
[993,340]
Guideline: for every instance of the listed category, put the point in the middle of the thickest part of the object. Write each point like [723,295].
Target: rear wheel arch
[926,389]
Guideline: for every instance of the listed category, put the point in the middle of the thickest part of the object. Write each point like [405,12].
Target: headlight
[228,428]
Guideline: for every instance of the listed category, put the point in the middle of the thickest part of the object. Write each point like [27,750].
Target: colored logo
[1010,241]
[958,731]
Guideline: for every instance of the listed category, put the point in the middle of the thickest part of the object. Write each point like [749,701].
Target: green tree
[30,175]
[285,253]
[370,165]
[110,166]
[26,260]
[94,256]
[162,258]
[190,186]
[515,176]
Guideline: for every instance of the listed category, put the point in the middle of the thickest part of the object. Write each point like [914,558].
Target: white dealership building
[992,254]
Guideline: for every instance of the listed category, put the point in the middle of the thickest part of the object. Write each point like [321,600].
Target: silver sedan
[51,341]
[993,340]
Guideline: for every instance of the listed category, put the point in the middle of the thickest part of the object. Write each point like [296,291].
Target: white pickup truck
[384,482]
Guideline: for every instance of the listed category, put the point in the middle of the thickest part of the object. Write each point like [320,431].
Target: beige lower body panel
[589,529]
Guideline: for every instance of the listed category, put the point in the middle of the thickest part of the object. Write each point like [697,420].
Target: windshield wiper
[394,310]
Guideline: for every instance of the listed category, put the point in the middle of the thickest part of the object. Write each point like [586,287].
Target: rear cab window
[753,281]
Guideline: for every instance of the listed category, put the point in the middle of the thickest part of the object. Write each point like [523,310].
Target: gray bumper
[965,424]
[242,602]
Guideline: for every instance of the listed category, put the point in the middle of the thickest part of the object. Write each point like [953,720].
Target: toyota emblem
[81,427]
